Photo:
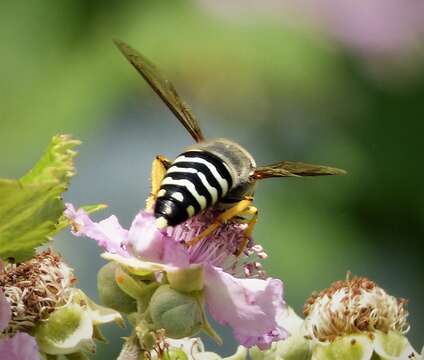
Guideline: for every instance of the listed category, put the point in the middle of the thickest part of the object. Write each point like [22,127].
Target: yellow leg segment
[221,219]
[159,166]
[253,212]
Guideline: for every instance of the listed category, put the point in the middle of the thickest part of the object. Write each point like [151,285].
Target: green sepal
[68,330]
[135,288]
[206,326]
[187,279]
[348,347]
[110,293]
[295,347]
[175,354]
[392,345]
[98,314]
[49,356]
[77,356]
[135,266]
[130,286]
[98,335]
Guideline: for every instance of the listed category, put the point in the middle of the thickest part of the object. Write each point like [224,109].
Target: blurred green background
[317,83]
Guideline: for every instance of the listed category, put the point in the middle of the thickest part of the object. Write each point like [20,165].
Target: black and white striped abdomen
[196,180]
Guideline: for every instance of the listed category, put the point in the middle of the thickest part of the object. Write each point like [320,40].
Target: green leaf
[31,207]
[56,163]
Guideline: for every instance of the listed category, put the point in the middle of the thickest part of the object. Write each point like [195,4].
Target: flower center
[222,247]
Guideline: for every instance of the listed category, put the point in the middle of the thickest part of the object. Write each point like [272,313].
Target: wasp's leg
[159,166]
[251,222]
[221,219]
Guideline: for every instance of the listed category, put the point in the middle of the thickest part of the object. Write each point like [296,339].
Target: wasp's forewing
[163,88]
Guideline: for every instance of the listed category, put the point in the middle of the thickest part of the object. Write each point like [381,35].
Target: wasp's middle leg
[251,211]
[159,166]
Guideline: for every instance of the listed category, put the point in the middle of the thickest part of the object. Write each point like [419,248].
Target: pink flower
[19,347]
[237,291]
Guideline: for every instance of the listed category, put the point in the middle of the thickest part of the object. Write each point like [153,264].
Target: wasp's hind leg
[222,218]
[252,212]
[159,166]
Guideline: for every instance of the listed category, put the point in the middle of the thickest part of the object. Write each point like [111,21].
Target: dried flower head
[35,288]
[352,306]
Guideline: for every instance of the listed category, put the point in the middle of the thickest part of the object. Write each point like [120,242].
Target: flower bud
[178,313]
[110,293]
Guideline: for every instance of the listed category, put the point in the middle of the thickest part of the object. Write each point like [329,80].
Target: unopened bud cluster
[154,305]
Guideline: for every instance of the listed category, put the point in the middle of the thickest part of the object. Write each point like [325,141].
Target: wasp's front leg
[222,218]
[159,167]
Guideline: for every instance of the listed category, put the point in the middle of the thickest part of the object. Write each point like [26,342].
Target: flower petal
[250,306]
[19,347]
[108,233]
[5,312]
[145,241]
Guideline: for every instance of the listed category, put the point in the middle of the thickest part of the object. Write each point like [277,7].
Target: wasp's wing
[163,88]
[292,168]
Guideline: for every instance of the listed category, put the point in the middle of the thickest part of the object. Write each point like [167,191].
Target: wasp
[217,173]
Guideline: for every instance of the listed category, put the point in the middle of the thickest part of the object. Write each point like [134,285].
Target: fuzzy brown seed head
[35,288]
[353,306]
